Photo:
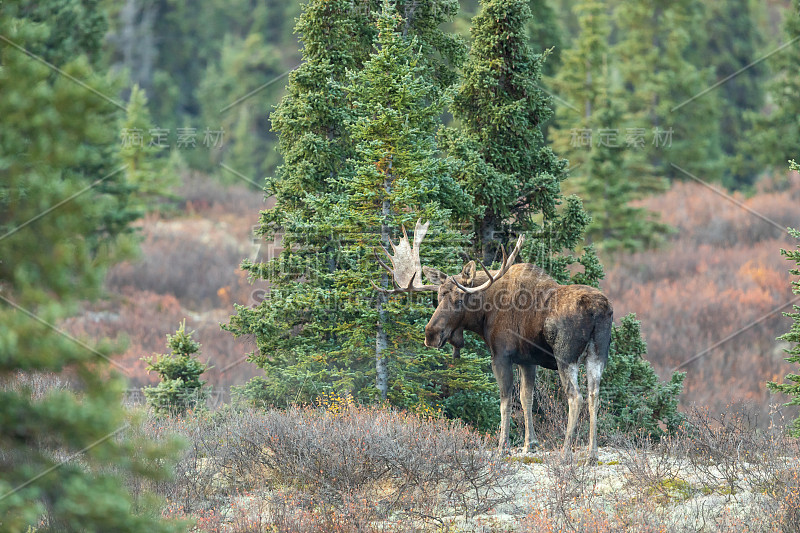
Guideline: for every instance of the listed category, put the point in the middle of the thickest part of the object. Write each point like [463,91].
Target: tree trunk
[136,42]
[487,235]
[381,339]
[381,345]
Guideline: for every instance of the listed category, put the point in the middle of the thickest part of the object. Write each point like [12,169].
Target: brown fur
[526,318]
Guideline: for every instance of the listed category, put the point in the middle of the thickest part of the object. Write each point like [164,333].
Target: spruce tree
[733,43]
[398,178]
[316,331]
[145,172]
[504,162]
[63,216]
[609,168]
[776,135]
[546,34]
[664,82]
[236,134]
[634,400]
[297,321]
[180,388]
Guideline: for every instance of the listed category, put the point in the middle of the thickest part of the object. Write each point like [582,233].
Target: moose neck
[475,321]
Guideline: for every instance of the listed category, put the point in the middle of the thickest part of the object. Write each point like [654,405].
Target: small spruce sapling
[181,388]
[632,396]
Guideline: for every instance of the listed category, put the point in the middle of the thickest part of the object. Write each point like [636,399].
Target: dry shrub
[294,512]
[713,291]
[721,473]
[550,412]
[140,321]
[355,468]
[195,260]
[34,385]
[588,520]
[571,489]
[703,216]
[188,268]
[206,196]
[684,481]
[655,467]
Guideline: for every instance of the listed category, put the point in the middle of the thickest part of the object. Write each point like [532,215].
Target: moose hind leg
[504,374]
[594,372]
[527,374]
[569,380]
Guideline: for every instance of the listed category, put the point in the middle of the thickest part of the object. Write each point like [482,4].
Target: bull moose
[525,317]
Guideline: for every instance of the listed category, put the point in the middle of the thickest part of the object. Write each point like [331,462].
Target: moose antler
[504,266]
[407,272]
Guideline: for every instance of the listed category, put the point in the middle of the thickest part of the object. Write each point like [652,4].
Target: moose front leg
[527,387]
[504,374]
[457,341]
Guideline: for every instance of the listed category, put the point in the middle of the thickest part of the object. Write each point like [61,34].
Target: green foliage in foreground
[65,212]
[792,385]
[181,388]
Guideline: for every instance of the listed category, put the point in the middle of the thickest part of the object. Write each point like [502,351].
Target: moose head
[458,297]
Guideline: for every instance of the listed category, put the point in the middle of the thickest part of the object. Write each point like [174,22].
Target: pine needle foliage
[664,80]
[633,398]
[609,169]
[65,215]
[180,388]
[502,158]
[358,133]
[776,134]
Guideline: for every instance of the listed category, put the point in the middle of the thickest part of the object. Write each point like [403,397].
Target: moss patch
[527,460]
[671,490]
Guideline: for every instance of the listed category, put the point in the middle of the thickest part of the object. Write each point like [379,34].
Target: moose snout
[434,337]
[429,337]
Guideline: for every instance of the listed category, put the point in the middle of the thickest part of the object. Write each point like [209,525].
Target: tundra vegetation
[150,125]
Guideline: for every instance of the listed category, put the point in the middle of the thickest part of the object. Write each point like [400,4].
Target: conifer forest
[225,227]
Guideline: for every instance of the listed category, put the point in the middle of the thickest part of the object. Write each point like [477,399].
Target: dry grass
[140,321]
[720,474]
[314,469]
[345,468]
[359,469]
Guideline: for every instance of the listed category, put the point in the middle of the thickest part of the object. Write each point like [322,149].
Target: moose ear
[436,277]
[468,274]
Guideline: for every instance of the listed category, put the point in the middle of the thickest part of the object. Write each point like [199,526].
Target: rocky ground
[627,490]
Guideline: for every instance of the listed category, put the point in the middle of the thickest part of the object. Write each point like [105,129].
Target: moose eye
[459,303]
